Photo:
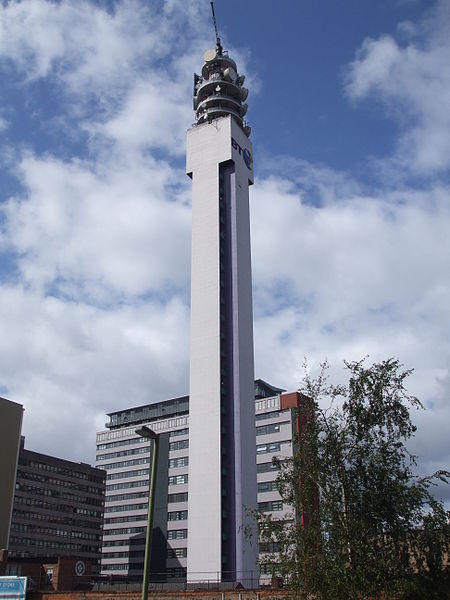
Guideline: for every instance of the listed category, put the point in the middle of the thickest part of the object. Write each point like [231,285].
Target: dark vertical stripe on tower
[226,175]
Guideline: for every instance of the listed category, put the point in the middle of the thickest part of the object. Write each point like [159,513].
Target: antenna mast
[218,44]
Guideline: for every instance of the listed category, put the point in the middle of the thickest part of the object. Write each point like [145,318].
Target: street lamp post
[146,432]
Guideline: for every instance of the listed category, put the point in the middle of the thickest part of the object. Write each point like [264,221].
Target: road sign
[13,588]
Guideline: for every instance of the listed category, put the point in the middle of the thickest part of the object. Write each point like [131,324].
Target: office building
[222,481]
[126,458]
[10,428]
[58,508]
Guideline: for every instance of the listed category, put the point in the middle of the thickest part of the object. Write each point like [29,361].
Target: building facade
[126,458]
[58,508]
[222,482]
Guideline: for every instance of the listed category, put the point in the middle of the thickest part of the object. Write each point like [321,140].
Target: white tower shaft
[222,462]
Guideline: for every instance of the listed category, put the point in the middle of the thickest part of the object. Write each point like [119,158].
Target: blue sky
[350,209]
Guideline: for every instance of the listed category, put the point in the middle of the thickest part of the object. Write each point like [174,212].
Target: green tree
[365,525]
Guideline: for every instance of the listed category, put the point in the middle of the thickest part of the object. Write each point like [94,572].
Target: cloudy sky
[349,105]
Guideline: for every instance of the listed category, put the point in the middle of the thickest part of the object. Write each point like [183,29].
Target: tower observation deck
[219,90]
[222,461]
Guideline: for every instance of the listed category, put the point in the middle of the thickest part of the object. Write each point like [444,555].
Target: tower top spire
[219,90]
[218,42]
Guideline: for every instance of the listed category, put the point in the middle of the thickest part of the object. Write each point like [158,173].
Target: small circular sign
[80,568]
[248,158]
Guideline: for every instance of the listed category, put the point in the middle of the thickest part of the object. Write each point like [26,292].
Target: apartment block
[126,458]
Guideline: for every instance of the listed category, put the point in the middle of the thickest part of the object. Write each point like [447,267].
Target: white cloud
[80,42]
[358,275]
[103,235]
[412,81]
[97,317]
[70,363]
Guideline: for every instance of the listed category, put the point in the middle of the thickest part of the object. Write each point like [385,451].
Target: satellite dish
[209,55]
[244,94]
[230,74]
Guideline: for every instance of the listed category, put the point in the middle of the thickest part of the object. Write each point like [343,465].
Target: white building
[222,469]
[126,458]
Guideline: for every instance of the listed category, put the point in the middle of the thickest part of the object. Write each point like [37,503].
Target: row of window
[126,542]
[128,484]
[125,474]
[54,506]
[127,519]
[180,497]
[177,432]
[124,554]
[129,452]
[179,445]
[60,470]
[177,515]
[55,518]
[121,497]
[272,505]
[268,415]
[126,507]
[266,448]
[178,479]
[107,445]
[37,490]
[265,403]
[127,463]
[267,486]
[25,541]
[267,467]
[48,480]
[177,534]
[182,461]
[176,552]
[53,531]
[124,530]
[270,428]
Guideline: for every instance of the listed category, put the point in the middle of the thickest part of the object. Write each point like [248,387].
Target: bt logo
[246,154]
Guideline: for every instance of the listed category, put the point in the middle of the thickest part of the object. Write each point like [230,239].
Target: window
[127,474]
[267,486]
[178,479]
[176,552]
[128,484]
[177,534]
[266,448]
[182,461]
[126,507]
[179,445]
[273,505]
[132,496]
[177,515]
[127,463]
[184,431]
[267,467]
[268,415]
[267,429]
[182,497]
[139,440]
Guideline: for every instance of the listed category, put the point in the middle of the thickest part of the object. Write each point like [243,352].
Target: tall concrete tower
[222,462]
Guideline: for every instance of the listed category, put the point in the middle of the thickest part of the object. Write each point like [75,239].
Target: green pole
[151,497]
